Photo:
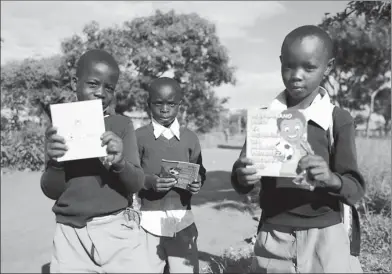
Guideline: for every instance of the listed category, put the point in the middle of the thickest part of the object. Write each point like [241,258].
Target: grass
[374,160]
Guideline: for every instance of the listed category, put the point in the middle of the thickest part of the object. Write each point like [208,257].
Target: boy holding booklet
[170,231]
[95,231]
[301,230]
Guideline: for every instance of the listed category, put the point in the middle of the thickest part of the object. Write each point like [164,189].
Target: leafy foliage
[147,47]
[23,150]
[362,41]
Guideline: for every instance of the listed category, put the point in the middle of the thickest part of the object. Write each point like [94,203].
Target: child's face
[303,65]
[292,130]
[164,104]
[98,81]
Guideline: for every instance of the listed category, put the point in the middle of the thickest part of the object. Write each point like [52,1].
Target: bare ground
[27,222]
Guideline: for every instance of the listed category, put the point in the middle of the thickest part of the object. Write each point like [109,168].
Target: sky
[252,31]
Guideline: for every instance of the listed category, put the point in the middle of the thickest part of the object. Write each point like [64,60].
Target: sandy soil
[27,222]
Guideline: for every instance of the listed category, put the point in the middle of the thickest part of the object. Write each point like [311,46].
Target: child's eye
[172,105]
[297,128]
[92,84]
[310,68]
[286,129]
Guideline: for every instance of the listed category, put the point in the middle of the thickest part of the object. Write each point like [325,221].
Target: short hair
[295,114]
[95,56]
[164,81]
[310,31]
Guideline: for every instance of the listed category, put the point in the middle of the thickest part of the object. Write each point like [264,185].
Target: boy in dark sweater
[94,232]
[170,231]
[302,230]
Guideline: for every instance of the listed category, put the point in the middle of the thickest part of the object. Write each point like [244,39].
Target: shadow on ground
[218,192]
[229,263]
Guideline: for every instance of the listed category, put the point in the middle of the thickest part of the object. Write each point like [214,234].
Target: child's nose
[99,92]
[297,75]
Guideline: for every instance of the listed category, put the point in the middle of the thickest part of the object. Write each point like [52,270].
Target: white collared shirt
[166,222]
[319,111]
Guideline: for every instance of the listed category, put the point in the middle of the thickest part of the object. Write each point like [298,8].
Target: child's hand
[163,184]
[246,176]
[194,187]
[318,170]
[55,145]
[114,147]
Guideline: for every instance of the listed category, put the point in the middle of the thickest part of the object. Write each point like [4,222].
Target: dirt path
[27,222]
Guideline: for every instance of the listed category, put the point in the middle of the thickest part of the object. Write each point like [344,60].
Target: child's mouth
[292,136]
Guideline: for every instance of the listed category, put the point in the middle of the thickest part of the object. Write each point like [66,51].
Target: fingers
[166,180]
[244,161]
[246,171]
[50,131]
[311,161]
[109,136]
[52,136]
[56,139]
[246,175]
[194,189]
[54,154]
[56,146]
[317,171]
[165,186]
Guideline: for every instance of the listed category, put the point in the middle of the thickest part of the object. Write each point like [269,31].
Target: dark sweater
[152,151]
[84,189]
[284,203]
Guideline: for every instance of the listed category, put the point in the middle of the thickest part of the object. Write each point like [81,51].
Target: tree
[362,42]
[31,84]
[147,47]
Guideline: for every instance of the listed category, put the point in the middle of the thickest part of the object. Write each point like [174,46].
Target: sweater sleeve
[344,162]
[234,181]
[53,179]
[148,178]
[196,158]
[132,175]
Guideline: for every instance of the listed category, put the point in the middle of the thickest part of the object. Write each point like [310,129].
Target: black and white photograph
[284,107]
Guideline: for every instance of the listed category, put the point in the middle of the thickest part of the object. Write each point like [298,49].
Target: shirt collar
[159,129]
[320,111]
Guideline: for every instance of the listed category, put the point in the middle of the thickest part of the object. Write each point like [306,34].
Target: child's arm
[344,162]
[234,180]
[131,175]
[53,179]
[196,158]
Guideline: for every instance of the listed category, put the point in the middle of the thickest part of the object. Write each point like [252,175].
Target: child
[302,230]
[170,232]
[93,231]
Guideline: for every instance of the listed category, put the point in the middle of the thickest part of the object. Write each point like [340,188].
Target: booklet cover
[276,141]
[82,125]
[185,173]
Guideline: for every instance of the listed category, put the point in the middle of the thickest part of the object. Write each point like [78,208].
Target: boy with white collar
[302,230]
[167,219]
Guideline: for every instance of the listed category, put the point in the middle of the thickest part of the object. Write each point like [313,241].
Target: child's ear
[280,58]
[74,81]
[330,65]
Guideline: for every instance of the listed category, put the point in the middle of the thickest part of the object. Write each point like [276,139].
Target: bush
[23,150]
[376,243]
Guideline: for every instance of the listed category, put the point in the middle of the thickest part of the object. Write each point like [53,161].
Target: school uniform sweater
[285,203]
[84,189]
[152,150]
